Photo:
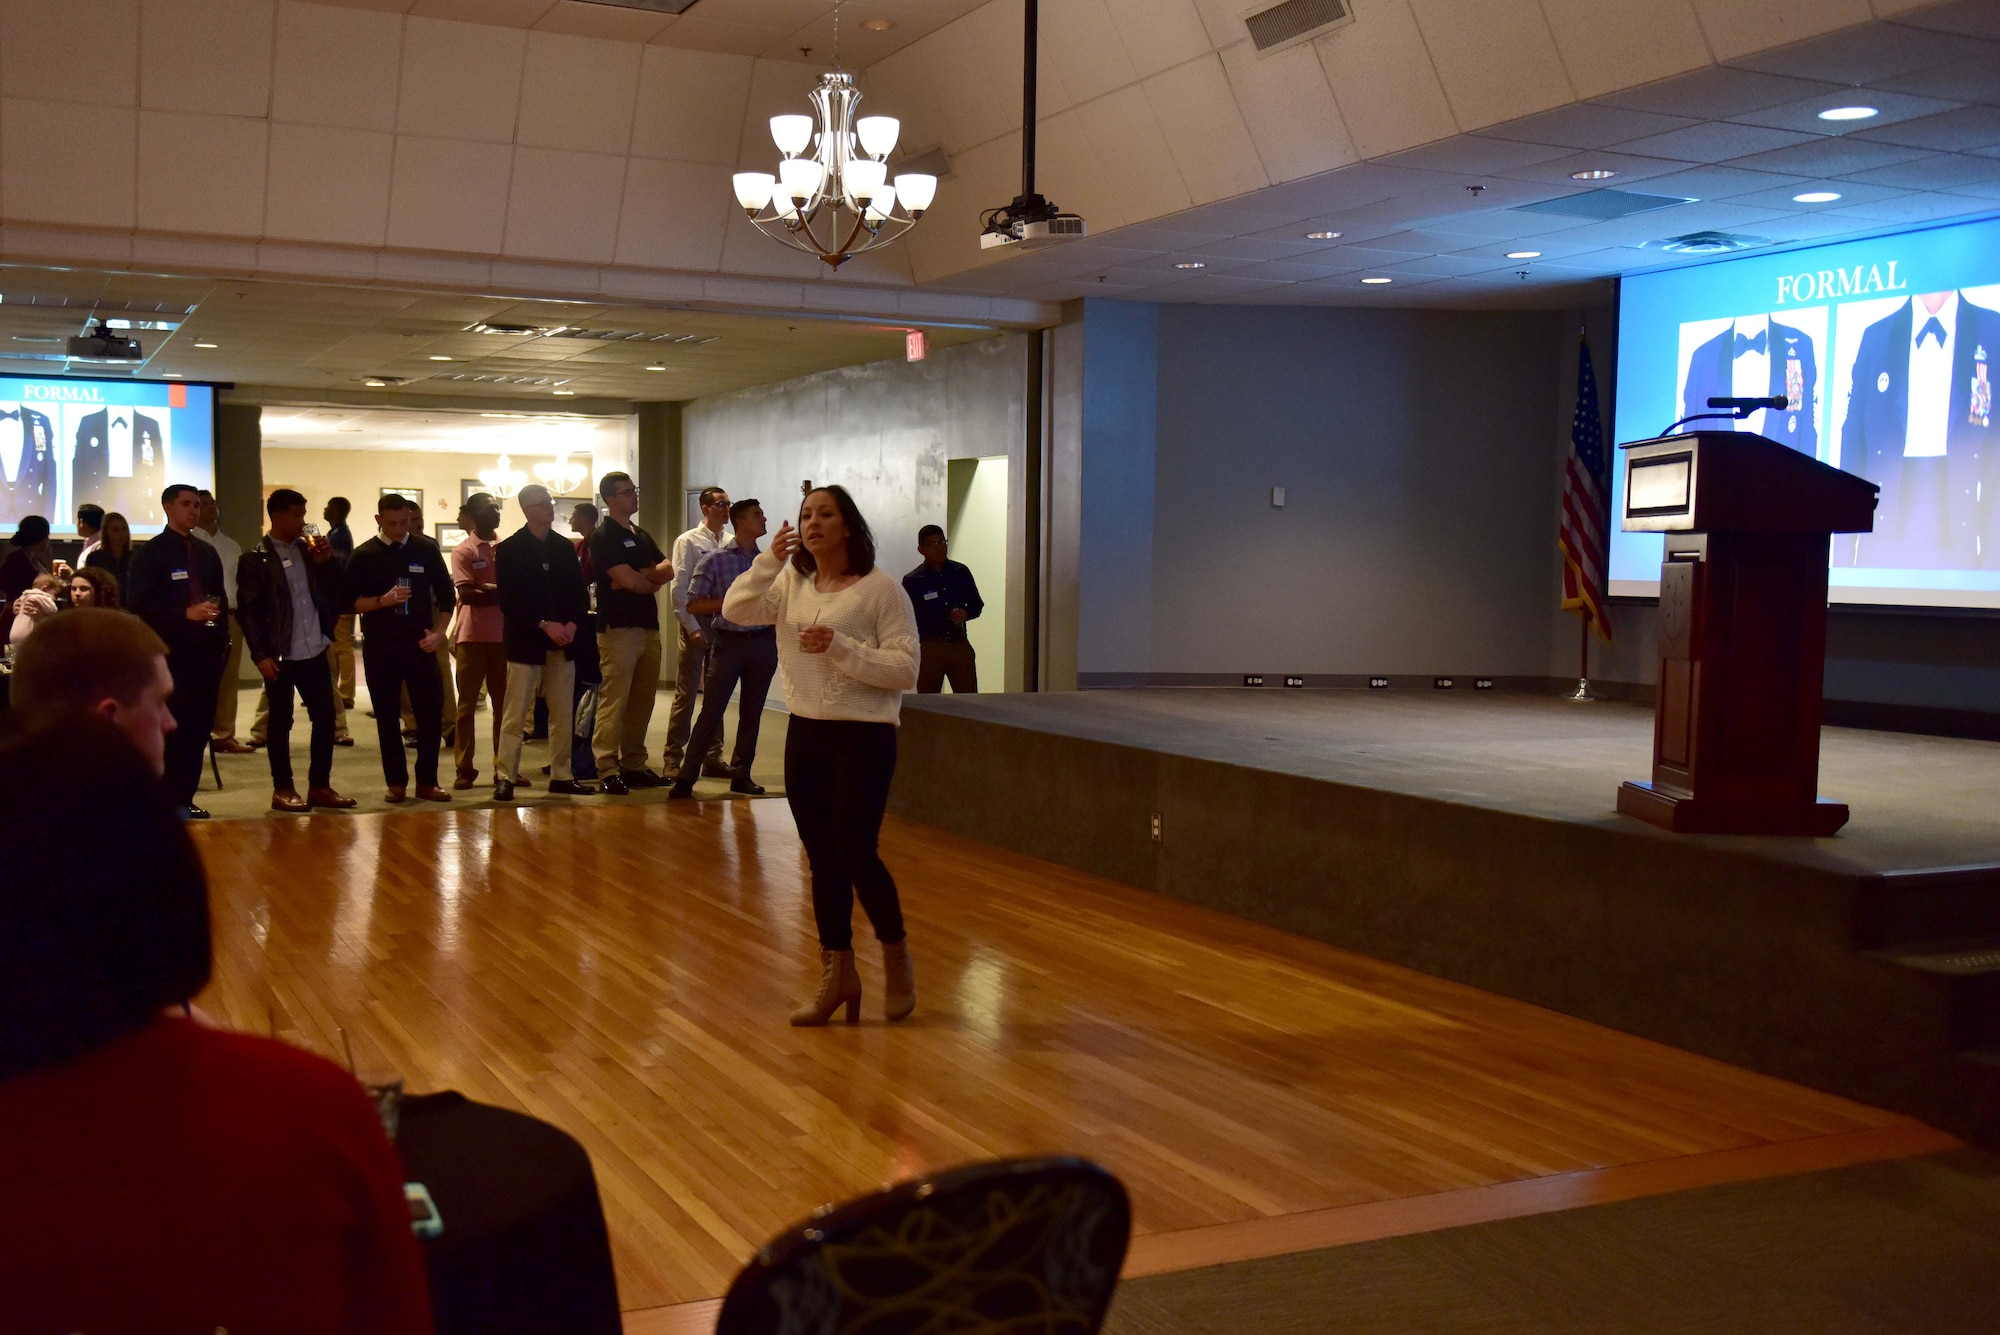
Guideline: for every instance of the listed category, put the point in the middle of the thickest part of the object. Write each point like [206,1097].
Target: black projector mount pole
[1027,207]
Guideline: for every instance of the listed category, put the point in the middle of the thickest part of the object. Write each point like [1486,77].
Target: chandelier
[503,480]
[832,196]
[560,475]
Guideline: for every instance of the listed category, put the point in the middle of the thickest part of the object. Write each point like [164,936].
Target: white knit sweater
[873,657]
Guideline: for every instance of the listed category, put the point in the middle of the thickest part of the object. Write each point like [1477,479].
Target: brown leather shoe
[465,779]
[398,792]
[287,799]
[430,792]
[229,746]
[326,797]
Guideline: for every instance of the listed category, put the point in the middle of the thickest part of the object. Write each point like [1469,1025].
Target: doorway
[976,527]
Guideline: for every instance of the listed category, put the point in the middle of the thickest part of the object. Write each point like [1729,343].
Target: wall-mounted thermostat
[1278,498]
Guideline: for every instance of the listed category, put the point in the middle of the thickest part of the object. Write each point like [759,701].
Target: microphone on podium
[1747,406]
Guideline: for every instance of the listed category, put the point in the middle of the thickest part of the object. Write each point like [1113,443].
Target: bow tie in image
[11,415]
[1932,327]
[1745,343]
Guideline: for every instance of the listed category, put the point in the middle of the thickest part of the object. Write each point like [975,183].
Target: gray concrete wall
[884,431]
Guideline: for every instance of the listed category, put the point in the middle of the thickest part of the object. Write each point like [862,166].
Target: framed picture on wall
[468,487]
[448,535]
[407,493]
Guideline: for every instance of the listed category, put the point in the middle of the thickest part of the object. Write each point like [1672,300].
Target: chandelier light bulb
[754,189]
[801,178]
[883,204]
[865,178]
[878,135]
[916,190]
[791,134]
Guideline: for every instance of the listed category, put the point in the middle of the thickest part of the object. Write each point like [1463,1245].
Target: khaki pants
[232,690]
[939,661]
[630,658]
[555,678]
[342,658]
[688,675]
[477,663]
[260,726]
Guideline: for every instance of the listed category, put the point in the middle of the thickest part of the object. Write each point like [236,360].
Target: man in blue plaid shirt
[748,654]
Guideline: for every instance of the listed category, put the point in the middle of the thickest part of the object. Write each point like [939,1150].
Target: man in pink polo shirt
[478,636]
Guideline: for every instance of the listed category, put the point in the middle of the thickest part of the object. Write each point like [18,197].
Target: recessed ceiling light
[564,391]
[1848,113]
[375,384]
[1322,236]
[1524,254]
[1192,264]
[1816,197]
[170,375]
[878,25]
[656,368]
[440,359]
[204,345]
[1372,282]
[1593,174]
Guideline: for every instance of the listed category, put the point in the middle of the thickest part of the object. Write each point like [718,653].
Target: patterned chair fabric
[1018,1246]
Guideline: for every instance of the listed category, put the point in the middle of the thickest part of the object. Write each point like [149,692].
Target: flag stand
[1582,693]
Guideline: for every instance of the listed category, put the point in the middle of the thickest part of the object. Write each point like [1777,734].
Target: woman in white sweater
[847,646]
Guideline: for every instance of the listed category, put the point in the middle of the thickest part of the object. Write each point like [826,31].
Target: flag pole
[1582,694]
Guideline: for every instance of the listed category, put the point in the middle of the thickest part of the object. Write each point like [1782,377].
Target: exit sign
[916,345]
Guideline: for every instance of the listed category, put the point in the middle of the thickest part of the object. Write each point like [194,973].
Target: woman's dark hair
[124,536]
[860,539]
[89,955]
[104,585]
[33,529]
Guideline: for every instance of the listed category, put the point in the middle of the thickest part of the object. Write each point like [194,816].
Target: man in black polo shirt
[630,570]
[945,598]
[544,603]
[176,586]
[403,594]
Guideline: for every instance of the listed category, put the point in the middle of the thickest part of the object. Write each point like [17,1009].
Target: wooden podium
[1747,523]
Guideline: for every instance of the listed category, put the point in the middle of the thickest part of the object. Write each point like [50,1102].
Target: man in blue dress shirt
[945,597]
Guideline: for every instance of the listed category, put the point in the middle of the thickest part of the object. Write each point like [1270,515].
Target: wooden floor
[625,973]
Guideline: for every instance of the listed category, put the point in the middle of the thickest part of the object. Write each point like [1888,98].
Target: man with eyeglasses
[690,548]
[630,571]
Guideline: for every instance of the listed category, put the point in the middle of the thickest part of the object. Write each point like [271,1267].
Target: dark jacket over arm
[264,598]
[539,580]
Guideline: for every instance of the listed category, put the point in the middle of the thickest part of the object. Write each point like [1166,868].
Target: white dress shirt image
[1933,343]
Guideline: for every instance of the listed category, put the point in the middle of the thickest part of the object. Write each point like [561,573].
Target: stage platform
[1474,836]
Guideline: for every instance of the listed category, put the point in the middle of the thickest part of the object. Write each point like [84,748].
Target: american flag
[1582,534]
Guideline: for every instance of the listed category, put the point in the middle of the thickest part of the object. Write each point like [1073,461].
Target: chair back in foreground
[1015,1245]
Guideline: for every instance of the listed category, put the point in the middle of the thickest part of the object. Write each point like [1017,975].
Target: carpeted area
[1907,1245]
[357,769]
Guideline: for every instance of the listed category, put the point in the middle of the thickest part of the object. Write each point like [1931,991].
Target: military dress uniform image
[1920,424]
[27,463]
[122,436]
[1793,372]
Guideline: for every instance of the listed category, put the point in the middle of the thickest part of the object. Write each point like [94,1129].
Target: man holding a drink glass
[176,586]
[403,594]
[289,590]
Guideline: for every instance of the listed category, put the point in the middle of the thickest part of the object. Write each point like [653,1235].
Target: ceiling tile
[1084,46]
[1864,53]
[1476,155]
[460,80]
[1133,154]
[1717,141]
[498,13]
[1804,115]
[1976,80]
[43,46]
[1828,157]
[1197,114]
[1630,168]
[1385,83]
[1288,107]
[1949,171]
[1715,182]
[698,33]
[1586,125]
[1921,207]
[613,22]
[1951,132]
[577,93]
[1443,266]
[1611,46]
[206,56]
[1734,29]
[1496,58]
[1715,91]
[690,106]
[1973,18]
[1158,34]
[1852,192]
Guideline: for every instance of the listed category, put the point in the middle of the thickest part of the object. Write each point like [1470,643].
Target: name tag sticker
[286,561]
[631,542]
[416,568]
[932,594]
[180,574]
[479,565]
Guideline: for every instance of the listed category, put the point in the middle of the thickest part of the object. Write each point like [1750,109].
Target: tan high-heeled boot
[899,987]
[839,984]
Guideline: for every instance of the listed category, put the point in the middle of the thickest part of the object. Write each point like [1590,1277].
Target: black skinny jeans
[314,684]
[837,774]
[389,668]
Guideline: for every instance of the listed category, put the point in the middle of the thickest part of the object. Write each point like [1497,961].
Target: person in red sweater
[158,1176]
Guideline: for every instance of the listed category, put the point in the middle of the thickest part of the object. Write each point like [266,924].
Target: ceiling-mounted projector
[1002,230]
[99,343]
[1028,220]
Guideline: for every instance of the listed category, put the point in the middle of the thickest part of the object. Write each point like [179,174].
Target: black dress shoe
[568,786]
[715,769]
[193,812]
[747,788]
[641,778]
[614,785]
[503,790]
[679,792]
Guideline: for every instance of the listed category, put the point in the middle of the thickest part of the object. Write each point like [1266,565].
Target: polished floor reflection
[625,972]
